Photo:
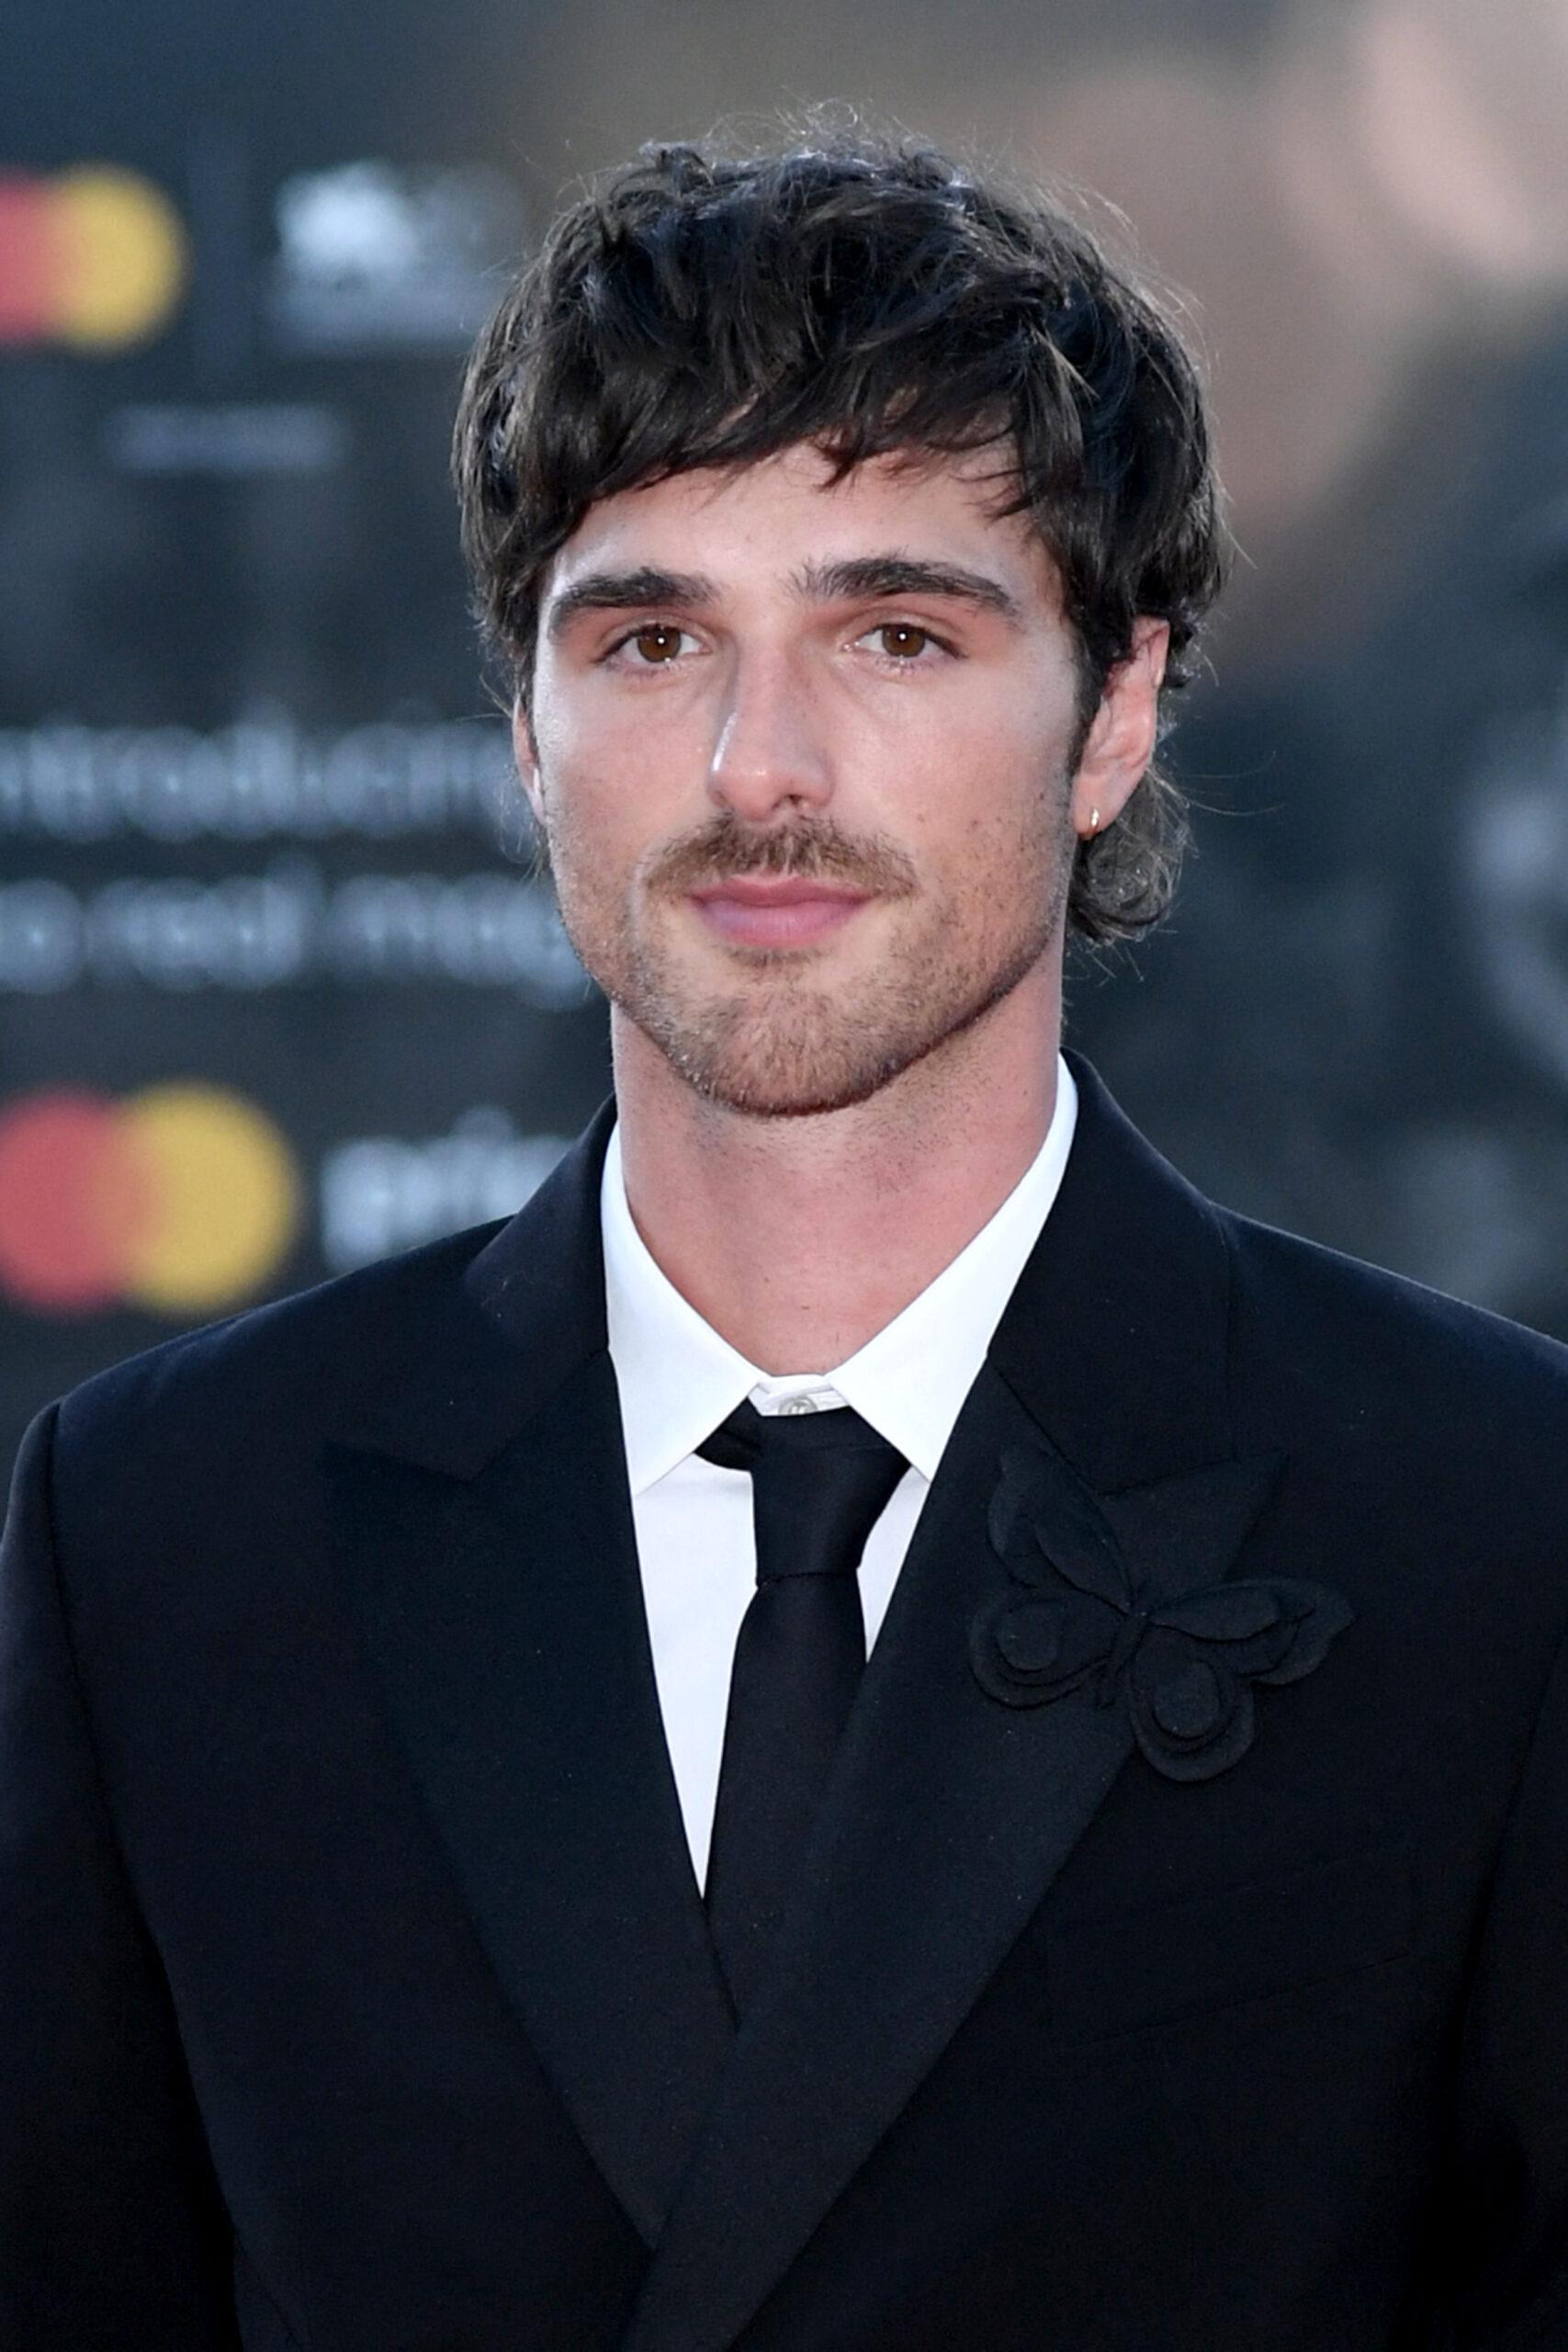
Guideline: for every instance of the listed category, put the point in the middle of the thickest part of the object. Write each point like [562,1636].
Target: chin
[770,1076]
[799,1064]
[796,1094]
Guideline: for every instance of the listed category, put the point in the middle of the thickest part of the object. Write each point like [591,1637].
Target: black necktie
[819,1482]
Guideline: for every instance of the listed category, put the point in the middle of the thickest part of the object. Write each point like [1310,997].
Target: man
[466,1884]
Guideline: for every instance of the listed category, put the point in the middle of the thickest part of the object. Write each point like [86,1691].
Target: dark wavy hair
[700,307]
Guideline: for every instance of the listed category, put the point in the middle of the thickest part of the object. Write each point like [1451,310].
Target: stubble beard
[780,1044]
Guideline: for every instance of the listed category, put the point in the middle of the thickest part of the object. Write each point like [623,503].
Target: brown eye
[658,641]
[903,640]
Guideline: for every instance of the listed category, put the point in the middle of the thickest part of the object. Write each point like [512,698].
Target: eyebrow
[615,592]
[867,576]
[905,575]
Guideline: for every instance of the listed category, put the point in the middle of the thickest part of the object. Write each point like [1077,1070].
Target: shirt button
[799,1404]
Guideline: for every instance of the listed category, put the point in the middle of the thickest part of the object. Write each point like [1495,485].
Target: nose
[768,756]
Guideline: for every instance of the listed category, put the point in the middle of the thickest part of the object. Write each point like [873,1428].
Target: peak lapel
[1115,1338]
[951,1814]
[485,1533]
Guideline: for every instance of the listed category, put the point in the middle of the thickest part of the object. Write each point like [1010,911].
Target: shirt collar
[678,1378]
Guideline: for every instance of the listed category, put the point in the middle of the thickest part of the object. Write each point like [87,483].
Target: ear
[1121,738]
[528,757]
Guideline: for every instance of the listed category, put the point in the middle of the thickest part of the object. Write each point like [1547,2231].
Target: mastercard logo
[181,1199]
[95,257]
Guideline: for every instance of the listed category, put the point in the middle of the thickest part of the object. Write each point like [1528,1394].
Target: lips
[775,910]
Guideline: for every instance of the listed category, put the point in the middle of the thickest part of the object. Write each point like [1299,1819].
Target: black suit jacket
[354,1989]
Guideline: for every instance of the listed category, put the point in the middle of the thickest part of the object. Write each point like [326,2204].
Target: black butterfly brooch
[1183,1664]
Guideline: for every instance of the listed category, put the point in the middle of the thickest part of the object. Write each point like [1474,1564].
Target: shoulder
[1377,1355]
[294,1364]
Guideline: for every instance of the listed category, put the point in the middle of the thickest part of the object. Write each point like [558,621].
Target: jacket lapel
[950,1815]
[485,1533]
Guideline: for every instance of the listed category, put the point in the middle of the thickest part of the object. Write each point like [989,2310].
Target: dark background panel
[278,987]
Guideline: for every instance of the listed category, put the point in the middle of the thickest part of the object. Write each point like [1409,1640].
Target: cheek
[587,800]
[990,795]
[610,784]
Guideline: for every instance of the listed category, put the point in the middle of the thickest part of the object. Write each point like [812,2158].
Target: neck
[798,1239]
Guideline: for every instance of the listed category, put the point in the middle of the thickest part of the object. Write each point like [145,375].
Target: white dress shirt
[678,1379]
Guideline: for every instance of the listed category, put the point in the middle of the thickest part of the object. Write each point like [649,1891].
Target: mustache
[810,849]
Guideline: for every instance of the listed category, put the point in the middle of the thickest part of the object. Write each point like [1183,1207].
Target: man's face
[801,753]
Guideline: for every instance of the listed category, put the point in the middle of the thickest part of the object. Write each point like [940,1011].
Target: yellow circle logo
[224,1203]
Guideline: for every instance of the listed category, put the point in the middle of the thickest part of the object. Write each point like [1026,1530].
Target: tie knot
[819,1483]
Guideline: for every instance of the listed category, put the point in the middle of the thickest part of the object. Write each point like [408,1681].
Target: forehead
[766,518]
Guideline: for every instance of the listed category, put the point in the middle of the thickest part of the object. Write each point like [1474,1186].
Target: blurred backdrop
[277,991]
